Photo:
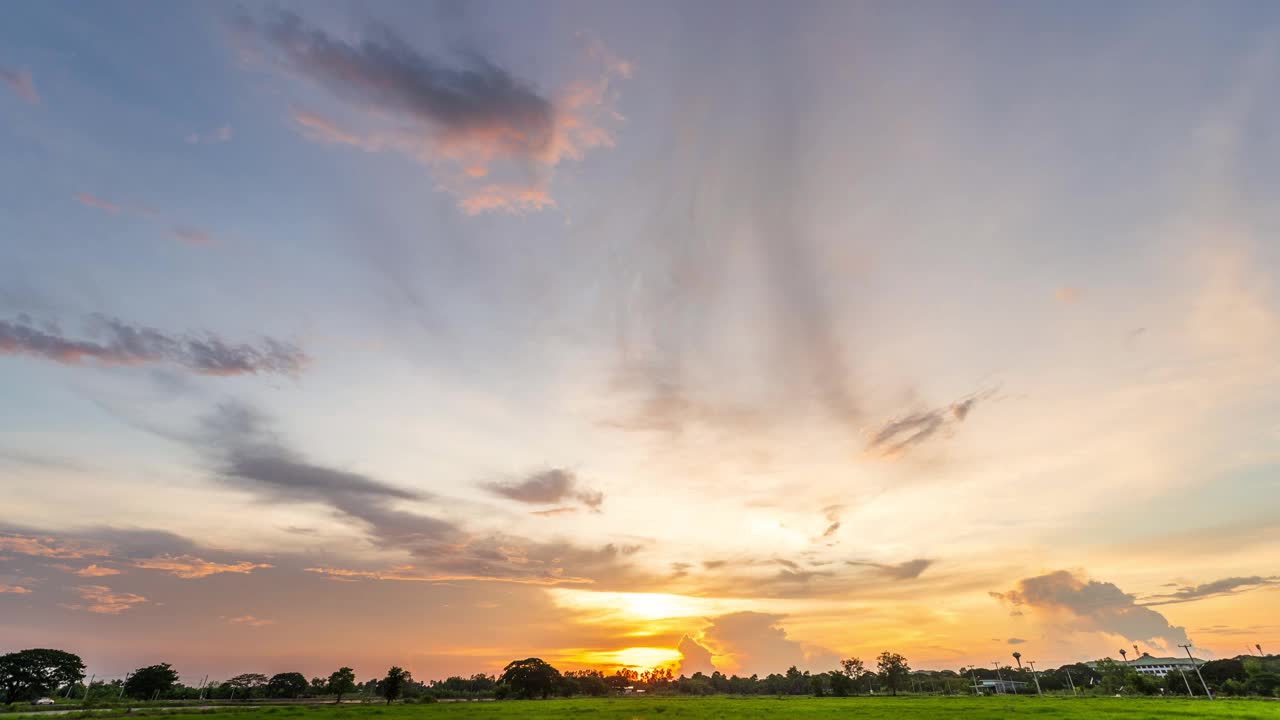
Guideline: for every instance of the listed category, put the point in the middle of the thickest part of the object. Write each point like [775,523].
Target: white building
[1157,666]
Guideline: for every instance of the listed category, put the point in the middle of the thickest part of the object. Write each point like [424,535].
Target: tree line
[40,672]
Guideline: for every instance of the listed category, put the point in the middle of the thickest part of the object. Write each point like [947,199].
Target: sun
[636,658]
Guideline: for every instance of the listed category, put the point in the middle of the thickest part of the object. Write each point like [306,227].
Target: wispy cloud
[191,236]
[92,570]
[250,621]
[118,343]
[492,139]
[548,487]
[103,600]
[190,567]
[21,82]
[1225,586]
[93,201]
[14,590]
[222,134]
[908,570]
[908,431]
[412,574]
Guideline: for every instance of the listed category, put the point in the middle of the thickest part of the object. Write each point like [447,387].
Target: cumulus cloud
[908,570]
[115,342]
[904,433]
[1225,586]
[753,642]
[1091,605]
[103,600]
[190,567]
[492,138]
[93,201]
[222,134]
[21,82]
[694,658]
[548,487]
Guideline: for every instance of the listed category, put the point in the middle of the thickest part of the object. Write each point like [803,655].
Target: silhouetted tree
[530,677]
[392,686]
[287,685]
[893,669]
[341,682]
[28,674]
[145,683]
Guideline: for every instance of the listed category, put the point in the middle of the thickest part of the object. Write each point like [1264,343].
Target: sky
[695,335]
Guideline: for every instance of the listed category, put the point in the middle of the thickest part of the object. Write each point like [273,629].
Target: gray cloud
[908,431]
[1093,605]
[117,343]
[908,570]
[467,112]
[1015,641]
[548,487]
[1225,586]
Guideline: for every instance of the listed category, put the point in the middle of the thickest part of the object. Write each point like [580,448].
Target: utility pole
[1000,677]
[87,686]
[1035,675]
[126,682]
[974,676]
[1186,682]
[1187,647]
[1070,681]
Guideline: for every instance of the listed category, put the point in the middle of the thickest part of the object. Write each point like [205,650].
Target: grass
[714,708]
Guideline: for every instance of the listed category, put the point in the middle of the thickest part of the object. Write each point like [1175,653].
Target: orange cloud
[103,600]
[22,83]
[93,570]
[14,589]
[405,574]
[190,567]
[96,202]
[49,547]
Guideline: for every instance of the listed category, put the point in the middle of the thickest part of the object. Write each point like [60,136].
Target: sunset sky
[637,334]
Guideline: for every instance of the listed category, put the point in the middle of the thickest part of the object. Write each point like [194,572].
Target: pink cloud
[103,600]
[250,620]
[191,236]
[49,547]
[96,202]
[22,83]
[14,589]
[222,134]
[408,573]
[190,567]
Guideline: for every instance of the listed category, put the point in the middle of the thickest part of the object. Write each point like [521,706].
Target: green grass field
[989,708]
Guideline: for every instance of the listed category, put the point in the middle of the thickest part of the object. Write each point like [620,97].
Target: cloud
[553,512]
[248,455]
[250,621]
[94,201]
[468,118]
[694,658]
[752,642]
[1225,586]
[103,600]
[124,344]
[1015,641]
[1067,295]
[899,435]
[191,236]
[222,134]
[832,515]
[1091,605]
[13,589]
[21,82]
[548,487]
[43,546]
[909,570]
[92,570]
[190,567]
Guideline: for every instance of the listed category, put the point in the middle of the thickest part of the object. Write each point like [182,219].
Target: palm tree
[1018,656]
[1124,655]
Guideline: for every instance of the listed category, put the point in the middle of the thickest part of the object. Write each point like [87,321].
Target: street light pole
[1187,647]
[999,676]
[1035,676]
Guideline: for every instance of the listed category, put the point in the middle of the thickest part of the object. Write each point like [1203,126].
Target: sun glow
[635,658]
